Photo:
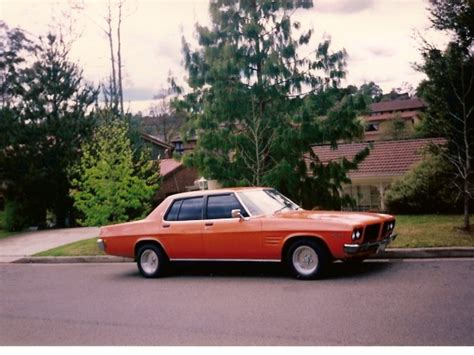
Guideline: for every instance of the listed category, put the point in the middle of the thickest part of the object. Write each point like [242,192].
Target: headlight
[357,233]
[391,225]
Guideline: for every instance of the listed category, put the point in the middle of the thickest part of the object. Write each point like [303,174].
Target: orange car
[246,224]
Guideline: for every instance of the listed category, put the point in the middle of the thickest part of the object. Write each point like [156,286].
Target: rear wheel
[307,259]
[151,261]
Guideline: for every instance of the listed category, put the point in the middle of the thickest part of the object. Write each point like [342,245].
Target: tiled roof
[156,140]
[397,105]
[167,166]
[386,158]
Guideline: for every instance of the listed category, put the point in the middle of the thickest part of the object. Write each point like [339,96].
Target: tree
[43,127]
[456,16]
[372,91]
[449,92]
[109,186]
[424,189]
[164,121]
[247,105]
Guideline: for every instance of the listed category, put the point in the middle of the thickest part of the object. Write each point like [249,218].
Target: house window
[179,147]
[372,127]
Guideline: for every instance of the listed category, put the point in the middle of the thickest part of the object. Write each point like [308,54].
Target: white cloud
[378,35]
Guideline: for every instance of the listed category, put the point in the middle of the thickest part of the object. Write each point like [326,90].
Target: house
[159,148]
[183,146]
[387,161]
[389,129]
[393,119]
[175,178]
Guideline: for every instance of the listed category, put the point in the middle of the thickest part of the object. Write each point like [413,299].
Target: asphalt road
[417,302]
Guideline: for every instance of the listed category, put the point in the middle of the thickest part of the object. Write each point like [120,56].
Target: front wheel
[151,261]
[306,259]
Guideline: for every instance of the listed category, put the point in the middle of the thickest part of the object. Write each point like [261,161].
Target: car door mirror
[237,214]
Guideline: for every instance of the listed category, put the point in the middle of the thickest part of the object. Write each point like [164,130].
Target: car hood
[347,218]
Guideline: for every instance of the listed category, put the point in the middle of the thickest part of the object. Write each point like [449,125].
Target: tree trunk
[119,58]
[113,93]
[467,225]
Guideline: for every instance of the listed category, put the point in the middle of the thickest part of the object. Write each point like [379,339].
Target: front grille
[371,232]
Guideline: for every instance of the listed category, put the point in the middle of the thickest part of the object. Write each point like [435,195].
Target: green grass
[431,231]
[87,247]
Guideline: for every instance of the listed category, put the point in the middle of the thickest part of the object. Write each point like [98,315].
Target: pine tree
[44,123]
[247,105]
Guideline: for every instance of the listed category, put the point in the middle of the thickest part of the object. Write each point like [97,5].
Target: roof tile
[386,158]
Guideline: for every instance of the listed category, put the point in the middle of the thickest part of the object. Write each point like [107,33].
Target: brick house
[175,178]
[393,119]
[387,161]
[159,148]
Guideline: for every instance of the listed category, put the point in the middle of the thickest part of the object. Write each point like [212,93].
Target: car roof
[215,191]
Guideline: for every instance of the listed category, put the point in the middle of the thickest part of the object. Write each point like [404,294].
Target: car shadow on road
[337,270]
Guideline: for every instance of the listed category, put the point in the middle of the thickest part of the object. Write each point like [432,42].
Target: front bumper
[377,246]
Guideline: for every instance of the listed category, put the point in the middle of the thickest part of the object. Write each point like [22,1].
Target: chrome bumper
[101,244]
[377,246]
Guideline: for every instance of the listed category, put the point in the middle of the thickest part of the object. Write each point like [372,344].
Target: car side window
[191,209]
[172,214]
[221,206]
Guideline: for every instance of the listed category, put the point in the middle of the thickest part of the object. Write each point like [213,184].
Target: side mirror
[237,214]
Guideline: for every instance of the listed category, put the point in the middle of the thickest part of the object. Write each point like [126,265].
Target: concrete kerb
[71,259]
[391,253]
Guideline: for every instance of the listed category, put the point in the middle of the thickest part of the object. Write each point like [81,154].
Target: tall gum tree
[449,91]
[248,82]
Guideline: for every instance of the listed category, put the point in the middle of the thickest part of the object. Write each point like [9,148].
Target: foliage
[456,16]
[424,189]
[44,122]
[371,91]
[109,186]
[15,218]
[397,128]
[449,91]
[248,104]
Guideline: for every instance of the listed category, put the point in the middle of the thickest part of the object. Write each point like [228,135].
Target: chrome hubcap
[149,261]
[305,260]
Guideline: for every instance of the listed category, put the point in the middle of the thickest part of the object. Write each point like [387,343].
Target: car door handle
[166,225]
[209,224]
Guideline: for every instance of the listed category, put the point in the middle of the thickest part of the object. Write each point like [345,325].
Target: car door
[182,229]
[225,237]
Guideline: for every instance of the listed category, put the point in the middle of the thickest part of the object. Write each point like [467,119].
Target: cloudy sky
[380,36]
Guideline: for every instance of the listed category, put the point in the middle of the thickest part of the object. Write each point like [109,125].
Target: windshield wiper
[280,209]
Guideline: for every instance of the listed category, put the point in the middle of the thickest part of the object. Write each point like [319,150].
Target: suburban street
[398,302]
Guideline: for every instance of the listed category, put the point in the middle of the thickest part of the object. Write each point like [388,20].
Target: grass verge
[87,247]
[426,231]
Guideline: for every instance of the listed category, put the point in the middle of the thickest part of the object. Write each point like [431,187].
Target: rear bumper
[368,247]
[101,244]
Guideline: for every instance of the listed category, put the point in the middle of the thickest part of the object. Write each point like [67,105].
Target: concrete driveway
[29,243]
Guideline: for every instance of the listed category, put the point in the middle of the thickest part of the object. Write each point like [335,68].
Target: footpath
[25,244]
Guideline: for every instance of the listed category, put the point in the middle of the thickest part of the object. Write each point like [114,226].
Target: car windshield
[264,202]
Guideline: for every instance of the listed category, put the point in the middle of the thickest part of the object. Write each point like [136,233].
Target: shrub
[424,189]
[109,186]
[15,218]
